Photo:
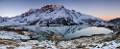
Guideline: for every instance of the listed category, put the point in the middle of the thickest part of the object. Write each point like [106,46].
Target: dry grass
[8,42]
[56,37]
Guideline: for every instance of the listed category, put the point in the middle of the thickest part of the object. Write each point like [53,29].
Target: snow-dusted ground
[64,45]
[12,35]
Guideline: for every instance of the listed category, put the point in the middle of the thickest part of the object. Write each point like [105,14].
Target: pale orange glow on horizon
[108,17]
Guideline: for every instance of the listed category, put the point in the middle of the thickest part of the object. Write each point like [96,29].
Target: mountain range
[50,15]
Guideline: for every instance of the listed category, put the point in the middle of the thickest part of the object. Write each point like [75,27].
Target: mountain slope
[115,21]
[51,14]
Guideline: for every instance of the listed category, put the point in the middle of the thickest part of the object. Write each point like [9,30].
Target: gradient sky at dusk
[106,9]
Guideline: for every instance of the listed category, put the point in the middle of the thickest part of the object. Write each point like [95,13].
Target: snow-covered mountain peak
[44,9]
[52,14]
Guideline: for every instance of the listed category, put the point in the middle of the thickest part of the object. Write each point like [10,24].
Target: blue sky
[92,7]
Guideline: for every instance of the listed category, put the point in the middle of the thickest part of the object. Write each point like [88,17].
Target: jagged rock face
[47,8]
[51,7]
[51,14]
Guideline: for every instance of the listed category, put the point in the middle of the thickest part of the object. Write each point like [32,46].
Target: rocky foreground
[94,42]
[86,42]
